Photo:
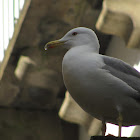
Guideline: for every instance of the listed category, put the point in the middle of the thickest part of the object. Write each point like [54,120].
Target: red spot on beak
[51,46]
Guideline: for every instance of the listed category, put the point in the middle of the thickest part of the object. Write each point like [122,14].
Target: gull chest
[80,74]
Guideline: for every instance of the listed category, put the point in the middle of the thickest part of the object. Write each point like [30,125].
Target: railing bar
[19,7]
[7,16]
[14,13]
[3,23]
[8,22]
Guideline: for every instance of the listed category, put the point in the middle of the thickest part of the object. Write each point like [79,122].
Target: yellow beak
[53,44]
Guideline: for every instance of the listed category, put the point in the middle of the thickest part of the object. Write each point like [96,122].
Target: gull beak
[53,44]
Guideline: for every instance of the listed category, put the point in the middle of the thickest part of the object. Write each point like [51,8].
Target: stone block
[121,18]
[72,112]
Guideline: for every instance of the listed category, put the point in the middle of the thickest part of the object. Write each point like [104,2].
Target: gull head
[80,36]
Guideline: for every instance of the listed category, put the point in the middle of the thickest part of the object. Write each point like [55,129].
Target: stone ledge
[72,112]
[121,19]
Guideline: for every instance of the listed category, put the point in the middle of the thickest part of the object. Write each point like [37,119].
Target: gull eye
[74,33]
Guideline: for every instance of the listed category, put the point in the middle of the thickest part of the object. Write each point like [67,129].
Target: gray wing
[123,71]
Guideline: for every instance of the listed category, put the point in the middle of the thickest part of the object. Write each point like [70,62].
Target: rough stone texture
[34,125]
[41,78]
[72,112]
[7,95]
[121,18]
[12,41]
[39,85]
[22,66]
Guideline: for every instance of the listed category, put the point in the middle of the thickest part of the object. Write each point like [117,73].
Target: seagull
[105,87]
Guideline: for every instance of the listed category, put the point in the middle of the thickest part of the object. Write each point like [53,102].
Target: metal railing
[9,15]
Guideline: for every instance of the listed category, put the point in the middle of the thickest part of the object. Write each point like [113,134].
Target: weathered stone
[8,93]
[40,71]
[35,98]
[39,86]
[22,66]
[72,112]
[14,38]
[95,127]
[34,125]
[121,19]
[96,4]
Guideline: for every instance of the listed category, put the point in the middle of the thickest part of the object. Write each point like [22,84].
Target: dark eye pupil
[74,33]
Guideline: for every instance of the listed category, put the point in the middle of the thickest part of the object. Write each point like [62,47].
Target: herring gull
[105,87]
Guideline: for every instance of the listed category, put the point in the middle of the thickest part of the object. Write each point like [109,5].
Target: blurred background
[34,103]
